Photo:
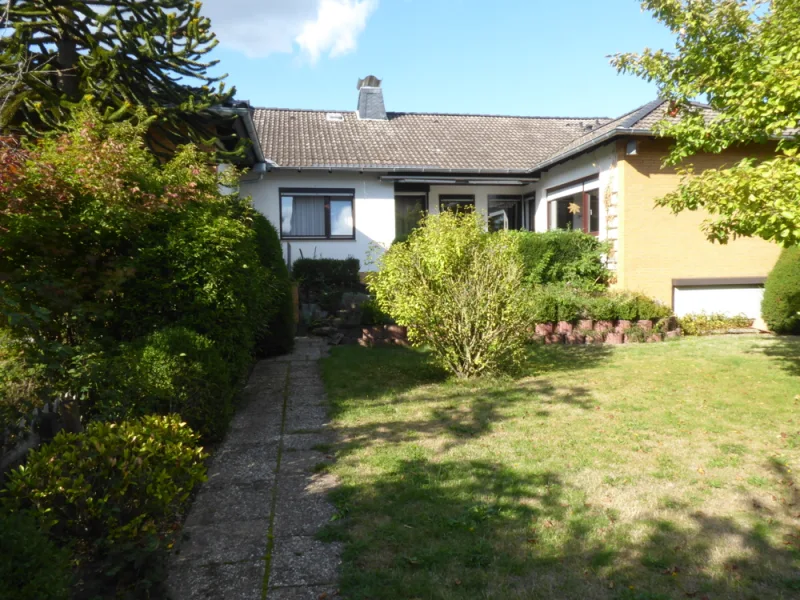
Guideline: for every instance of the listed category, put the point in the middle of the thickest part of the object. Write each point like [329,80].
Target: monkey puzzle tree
[743,56]
[114,54]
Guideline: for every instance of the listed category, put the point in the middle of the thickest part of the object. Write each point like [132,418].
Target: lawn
[636,472]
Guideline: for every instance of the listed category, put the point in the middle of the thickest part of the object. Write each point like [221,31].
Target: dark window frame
[462,199]
[327,194]
[585,202]
[411,194]
[518,198]
[529,203]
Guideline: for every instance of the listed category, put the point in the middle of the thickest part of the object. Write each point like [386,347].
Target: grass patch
[646,471]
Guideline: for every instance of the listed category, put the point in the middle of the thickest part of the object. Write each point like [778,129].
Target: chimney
[370,99]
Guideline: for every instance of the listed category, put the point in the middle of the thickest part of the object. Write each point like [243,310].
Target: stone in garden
[604,326]
[645,324]
[614,338]
[544,329]
[623,325]
[564,327]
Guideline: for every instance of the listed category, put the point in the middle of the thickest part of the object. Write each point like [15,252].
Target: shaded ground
[639,472]
[251,532]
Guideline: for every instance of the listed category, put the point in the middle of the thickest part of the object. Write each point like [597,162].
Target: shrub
[371,314]
[566,257]
[459,290]
[551,303]
[781,305]
[20,392]
[625,305]
[279,335]
[324,280]
[704,324]
[115,490]
[175,370]
[32,567]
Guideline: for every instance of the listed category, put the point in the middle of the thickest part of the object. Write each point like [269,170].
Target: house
[336,184]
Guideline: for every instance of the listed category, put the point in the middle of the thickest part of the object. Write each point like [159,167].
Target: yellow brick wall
[656,246]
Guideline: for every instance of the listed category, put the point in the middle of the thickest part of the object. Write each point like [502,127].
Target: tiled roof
[642,119]
[303,139]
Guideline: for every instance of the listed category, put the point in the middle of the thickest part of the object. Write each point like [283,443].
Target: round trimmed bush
[32,567]
[175,370]
[781,305]
[112,484]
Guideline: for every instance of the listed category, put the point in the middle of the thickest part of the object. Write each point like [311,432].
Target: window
[531,200]
[317,214]
[408,210]
[456,203]
[575,206]
[504,212]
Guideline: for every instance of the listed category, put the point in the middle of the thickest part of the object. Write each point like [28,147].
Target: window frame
[587,185]
[327,194]
[408,194]
[461,199]
[508,198]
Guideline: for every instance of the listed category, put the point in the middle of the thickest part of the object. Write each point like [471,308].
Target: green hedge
[114,492]
[569,258]
[552,303]
[323,280]
[175,370]
[704,324]
[32,567]
[278,338]
[781,305]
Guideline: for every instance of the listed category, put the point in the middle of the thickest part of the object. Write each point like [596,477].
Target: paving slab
[234,502]
[262,486]
[237,581]
[303,560]
[244,464]
[238,541]
[316,592]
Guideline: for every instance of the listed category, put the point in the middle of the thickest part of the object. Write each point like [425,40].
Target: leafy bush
[20,392]
[324,280]
[628,306]
[636,334]
[322,273]
[565,257]
[103,244]
[781,305]
[32,566]
[175,370]
[552,303]
[279,335]
[459,290]
[114,490]
[371,314]
[704,324]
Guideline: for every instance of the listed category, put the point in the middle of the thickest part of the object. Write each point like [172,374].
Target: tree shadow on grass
[479,529]
[785,351]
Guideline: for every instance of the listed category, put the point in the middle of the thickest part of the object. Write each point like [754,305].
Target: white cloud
[258,28]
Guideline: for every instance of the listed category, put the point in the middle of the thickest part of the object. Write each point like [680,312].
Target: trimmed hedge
[278,338]
[322,273]
[552,303]
[32,567]
[113,492]
[175,370]
[570,258]
[781,304]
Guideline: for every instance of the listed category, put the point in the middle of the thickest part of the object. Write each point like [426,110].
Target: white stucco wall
[374,211]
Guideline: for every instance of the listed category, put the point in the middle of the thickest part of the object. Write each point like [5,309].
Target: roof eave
[591,145]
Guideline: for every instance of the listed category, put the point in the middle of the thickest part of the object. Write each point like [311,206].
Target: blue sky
[510,57]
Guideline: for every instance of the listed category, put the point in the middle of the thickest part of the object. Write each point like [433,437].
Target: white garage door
[727,299]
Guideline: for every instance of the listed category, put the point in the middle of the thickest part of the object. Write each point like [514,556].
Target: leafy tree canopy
[116,55]
[743,56]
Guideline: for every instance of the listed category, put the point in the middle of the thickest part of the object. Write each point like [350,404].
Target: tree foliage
[118,55]
[460,292]
[744,57]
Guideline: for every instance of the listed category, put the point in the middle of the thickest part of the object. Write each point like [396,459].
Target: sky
[506,57]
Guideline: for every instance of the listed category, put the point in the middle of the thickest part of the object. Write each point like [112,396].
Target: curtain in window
[304,216]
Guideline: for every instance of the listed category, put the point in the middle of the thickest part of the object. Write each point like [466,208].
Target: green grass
[639,472]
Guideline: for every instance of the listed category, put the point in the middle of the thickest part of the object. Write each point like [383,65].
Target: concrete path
[250,534]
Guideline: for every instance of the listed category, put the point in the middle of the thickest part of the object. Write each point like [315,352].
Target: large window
[317,214]
[504,212]
[456,203]
[575,206]
[408,210]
